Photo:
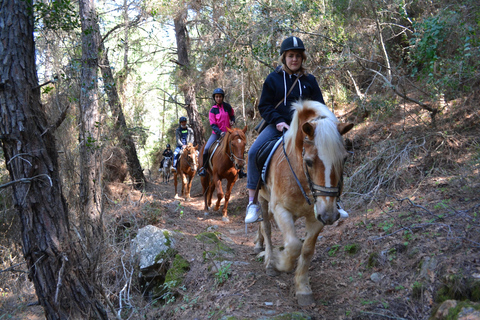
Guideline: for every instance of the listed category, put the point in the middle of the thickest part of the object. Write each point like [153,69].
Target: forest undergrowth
[411,240]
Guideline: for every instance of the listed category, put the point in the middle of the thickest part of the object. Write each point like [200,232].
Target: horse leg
[184,184]
[260,237]
[218,187]
[211,188]
[175,181]
[205,183]
[189,186]
[293,246]
[228,192]
[303,291]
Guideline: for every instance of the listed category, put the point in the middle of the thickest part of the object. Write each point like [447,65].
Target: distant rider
[221,117]
[183,136]
[167,153]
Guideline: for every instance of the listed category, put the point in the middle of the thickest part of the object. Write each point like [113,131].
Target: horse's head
[190,155]
[235,149]
[323,155]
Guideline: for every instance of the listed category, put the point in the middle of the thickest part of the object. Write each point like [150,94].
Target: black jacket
[275,88]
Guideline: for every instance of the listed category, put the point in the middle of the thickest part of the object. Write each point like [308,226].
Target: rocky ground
[411,240]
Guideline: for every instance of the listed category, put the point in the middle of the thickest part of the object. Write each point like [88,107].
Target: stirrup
[202,172]
[253,213]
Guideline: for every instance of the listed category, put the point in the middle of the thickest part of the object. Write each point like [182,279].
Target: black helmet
[182,119]
[291,43]
[168,146]
[218,91]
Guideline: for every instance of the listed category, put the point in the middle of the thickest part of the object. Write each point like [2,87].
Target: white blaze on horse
[187,166]
[167,169]
[314,153]
[225,164]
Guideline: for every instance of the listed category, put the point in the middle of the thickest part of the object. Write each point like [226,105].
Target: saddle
[212,149]
[264,155]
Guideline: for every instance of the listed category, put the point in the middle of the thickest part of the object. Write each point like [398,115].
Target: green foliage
[373,260]
[417,289]
[223,273]
[333,250]
[445,50]
[352,248]
[58,14]
[176,272]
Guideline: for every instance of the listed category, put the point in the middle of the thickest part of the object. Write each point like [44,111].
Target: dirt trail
[248,292]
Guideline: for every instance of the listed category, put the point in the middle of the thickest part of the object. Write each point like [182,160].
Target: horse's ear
[245,129]
[344,127]
[229,130]
[309,130]
[196,148]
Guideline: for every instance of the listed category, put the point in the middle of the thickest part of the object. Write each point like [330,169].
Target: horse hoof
[258,250]
[225,219]
[271,272]
[305,299]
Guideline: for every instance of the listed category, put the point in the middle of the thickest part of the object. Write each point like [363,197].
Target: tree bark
[54,259]
[90,140]
[121,130]
[187,87]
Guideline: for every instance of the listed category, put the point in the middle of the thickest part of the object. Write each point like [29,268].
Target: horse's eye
[309,162]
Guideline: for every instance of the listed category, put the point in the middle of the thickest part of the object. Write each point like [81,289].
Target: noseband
[233,157]
[315,189]
[318,190]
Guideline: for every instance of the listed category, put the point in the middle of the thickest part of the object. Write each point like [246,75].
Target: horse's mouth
[326,218]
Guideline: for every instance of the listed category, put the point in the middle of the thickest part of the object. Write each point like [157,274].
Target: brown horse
[187,166]
[225,163]
[314,149]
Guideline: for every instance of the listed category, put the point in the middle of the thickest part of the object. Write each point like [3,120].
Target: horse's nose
[326,212]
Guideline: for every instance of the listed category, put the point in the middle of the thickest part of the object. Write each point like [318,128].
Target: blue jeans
[253,175]
[213,137]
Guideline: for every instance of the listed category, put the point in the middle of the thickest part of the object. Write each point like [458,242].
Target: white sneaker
[253,213]
[343,213]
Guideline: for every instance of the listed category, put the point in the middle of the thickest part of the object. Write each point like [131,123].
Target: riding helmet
[218,91]
[292,43]
[168,146]
[182,119]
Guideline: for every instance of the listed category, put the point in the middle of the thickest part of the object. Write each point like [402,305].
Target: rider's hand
[280,126]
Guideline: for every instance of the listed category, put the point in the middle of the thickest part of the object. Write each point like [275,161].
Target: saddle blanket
[265,154]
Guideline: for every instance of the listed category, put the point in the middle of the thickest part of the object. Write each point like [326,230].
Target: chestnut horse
[187,165]
[225,163]
[313,152]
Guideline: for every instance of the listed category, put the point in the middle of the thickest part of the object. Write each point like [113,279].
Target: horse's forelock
[305,111]
[327,138]
[329,143]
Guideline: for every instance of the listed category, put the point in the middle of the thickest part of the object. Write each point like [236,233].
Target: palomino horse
[167,168]
[225,163]
[313,158]
[187,166]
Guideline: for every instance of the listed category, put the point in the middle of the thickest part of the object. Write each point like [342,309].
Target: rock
[461,310]
[150,244]
[376,277]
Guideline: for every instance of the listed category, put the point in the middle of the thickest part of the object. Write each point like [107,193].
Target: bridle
[186,159]
[233,157]
[315,189]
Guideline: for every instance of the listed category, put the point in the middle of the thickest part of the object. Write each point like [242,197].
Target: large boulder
[154,249]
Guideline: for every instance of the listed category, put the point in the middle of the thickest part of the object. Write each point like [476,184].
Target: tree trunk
[121,130]
[90,139]
[187,87]
[54,259]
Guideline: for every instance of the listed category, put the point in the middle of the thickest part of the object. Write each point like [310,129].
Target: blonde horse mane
[328,140]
